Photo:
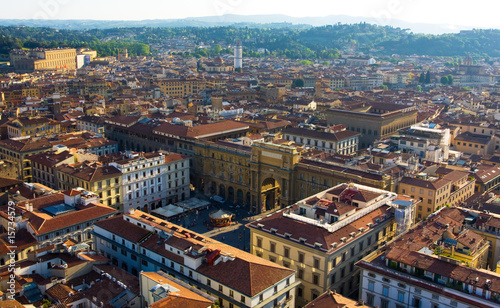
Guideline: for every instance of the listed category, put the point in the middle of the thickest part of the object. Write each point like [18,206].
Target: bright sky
[478,13]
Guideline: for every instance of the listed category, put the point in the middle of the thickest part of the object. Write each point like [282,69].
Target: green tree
[305,62]
[298,83]
[428,77]
[450,79]
[419,88]
[217,49]
[384,87]
[444,80]
[421,78]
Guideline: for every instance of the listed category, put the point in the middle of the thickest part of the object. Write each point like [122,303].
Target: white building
[152,179]
[177,177]
[427,140]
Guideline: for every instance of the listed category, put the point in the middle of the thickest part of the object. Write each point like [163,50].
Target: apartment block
[439,263]
[449,187]
[140,242]
[324,235]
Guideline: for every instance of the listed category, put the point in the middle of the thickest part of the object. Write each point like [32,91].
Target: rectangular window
[315,279]
[259,242]
[272,247]
[316,263]
[300,273]
[231,293]
[371,285]
[301,257]
[417,302]
[384,303]
[401,297]
[286,252]
[385,291]
[370,299]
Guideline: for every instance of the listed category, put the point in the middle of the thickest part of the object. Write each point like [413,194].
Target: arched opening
[270,194]
[222,191]
[239,197]
[230,194]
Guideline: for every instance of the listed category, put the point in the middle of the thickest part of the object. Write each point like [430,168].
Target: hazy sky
[478,13]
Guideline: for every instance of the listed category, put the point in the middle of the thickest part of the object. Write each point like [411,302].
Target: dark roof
[123,228]
[92,119]
[50,159]
[470,137]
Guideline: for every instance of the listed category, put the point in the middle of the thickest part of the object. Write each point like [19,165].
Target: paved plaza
[235,235]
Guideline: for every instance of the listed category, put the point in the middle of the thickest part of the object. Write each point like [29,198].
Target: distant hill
[270,21]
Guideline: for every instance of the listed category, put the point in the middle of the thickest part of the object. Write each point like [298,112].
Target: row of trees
[447,80]
[425,78]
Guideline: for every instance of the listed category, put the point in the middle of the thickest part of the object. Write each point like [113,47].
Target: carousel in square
[221,218]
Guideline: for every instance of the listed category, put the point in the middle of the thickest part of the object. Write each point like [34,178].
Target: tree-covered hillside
[296,43]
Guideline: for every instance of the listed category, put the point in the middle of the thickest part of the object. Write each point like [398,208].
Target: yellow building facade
[104,181]
[324,255]
[434,193]
[372,123]
[267,176]
[43,59]
[23,127]
[180,87]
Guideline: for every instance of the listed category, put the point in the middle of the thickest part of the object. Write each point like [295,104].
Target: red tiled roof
[42,223]
[123,228]
[25,145]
